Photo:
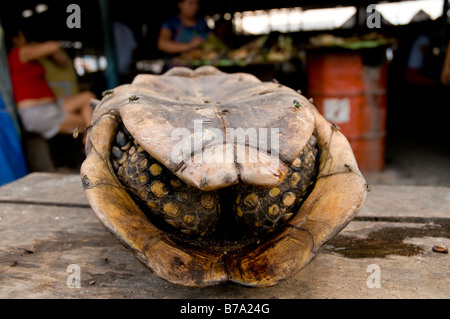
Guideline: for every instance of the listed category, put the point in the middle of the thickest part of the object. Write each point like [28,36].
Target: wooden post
[112,75]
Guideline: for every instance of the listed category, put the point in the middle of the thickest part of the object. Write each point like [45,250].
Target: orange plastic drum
[353,96]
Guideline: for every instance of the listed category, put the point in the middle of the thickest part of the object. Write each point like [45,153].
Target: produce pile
[272,48]
[366,41]
[261,50]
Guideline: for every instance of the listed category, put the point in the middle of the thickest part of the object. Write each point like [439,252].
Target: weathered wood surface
[46,225]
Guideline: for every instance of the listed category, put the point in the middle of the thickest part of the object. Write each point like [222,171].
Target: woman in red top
[39,110]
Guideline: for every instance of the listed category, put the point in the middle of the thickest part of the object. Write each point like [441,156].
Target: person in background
[61,75]
[39,110]
[185,31]
[423,66]
[445,75]
[126,45]
[64,151]
[12,159]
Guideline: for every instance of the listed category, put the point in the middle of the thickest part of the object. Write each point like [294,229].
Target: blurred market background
[353,65]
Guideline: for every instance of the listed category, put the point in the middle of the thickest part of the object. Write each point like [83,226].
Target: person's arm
[60,58]
[35,51]
[445,75]
[166,44]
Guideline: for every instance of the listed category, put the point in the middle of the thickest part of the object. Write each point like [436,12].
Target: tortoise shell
[211,177]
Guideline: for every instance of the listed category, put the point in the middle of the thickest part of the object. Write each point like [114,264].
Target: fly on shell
[133,98]
[76,132]
[107,92]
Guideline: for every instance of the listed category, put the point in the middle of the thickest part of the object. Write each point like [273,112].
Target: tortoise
[211,177]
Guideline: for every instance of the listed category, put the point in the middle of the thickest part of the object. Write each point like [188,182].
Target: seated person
[61,75]
[125,45]
[422,68]
[183,32]
[445,74]
[39,110]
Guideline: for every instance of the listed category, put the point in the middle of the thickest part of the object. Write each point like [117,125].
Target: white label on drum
[337,110]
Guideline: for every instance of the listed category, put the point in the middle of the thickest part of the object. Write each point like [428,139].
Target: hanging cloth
[12,159]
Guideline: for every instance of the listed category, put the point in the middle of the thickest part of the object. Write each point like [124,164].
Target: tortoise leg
[164,197]
[337,196]
[127,222]
[265,210]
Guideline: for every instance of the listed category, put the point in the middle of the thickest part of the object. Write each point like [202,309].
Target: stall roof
[139,15]
[249,5]
[209,7]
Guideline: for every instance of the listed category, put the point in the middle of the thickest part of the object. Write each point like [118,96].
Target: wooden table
[46,225]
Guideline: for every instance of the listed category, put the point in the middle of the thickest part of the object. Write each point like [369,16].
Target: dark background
[417,116]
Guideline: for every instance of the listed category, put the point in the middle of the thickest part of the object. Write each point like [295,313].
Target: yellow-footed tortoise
[211,177]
